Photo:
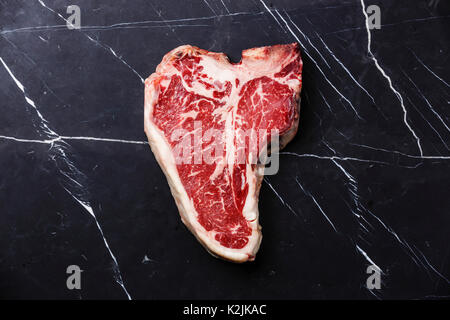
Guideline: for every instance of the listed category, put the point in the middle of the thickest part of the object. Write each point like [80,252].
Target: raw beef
[193,91]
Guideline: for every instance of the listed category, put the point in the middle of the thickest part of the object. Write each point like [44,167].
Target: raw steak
[194,90]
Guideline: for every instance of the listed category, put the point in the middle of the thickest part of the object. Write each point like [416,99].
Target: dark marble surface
[366,180]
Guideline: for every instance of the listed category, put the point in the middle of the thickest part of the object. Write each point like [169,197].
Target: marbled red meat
[194,91]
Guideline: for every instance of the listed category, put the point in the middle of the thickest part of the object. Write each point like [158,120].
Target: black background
[388,204]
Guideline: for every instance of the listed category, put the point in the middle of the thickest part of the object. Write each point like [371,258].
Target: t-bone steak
[194,91]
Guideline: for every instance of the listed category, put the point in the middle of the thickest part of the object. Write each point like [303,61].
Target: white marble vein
[209,6]
[408,249]
[45,6]
[50,141]
[34,29]
[280,198]
[325,100]
[104,140]
[107,48]
[397,94]
[99,28]
[429,124]
[427,102]
[314,61]
[353,185]
[271,13]
[117,56]
[354,194]
[117,273]
[62,138]
[226,8]
[368,258]
[168,22]
[311,155]
[399,153]
[346,69]
[65,167]
[425,19]
[310,43]
[317,204]
[43,122]
[432,267]
[431,71]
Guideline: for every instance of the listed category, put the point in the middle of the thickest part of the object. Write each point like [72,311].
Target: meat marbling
[218,201]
